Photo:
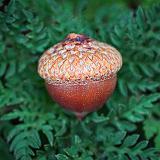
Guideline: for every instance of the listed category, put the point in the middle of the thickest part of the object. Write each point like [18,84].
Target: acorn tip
[80,116]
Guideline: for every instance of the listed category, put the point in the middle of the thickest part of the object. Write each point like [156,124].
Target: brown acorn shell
[82,98]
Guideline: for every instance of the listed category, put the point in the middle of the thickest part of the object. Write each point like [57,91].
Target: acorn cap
[79,58]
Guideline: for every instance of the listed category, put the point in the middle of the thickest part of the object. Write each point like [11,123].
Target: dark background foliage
[32,126]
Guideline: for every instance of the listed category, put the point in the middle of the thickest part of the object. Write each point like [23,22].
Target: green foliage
[151,126]
[138,40]
[34,127]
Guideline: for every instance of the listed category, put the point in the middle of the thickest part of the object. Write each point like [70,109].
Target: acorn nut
[80,73]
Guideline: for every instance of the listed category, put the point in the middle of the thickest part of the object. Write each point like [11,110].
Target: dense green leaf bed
[32,126]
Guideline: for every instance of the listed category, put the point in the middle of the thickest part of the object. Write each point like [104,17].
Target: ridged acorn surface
[80,73]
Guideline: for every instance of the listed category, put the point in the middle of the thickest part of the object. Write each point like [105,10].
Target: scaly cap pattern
[79,58]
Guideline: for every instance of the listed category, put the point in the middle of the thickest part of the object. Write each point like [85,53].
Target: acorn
[80,73]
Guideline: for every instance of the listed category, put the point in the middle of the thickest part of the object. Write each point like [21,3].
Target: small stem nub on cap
[76,37]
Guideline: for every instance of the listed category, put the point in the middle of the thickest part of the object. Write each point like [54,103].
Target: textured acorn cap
[79,58]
